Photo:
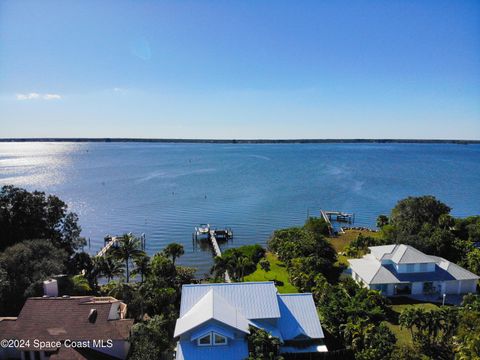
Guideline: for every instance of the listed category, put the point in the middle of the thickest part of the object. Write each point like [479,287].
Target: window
[410,267]
[423,267]
[212,339]
[205,340]
[219,339]
[428,288]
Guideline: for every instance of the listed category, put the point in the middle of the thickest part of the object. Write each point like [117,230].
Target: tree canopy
[28,215]
[25,266]
[305,252]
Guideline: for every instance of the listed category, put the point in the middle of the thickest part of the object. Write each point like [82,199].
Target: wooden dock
[331,232]
[339,216]
[108,245]
[110,241]
[213,240]
[217,251]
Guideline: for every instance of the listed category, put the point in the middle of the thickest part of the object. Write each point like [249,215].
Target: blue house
[215,319]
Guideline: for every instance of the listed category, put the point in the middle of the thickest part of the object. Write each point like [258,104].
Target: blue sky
[240,69]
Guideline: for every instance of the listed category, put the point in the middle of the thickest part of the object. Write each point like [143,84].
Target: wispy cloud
[37,96]
[28,96]
[51,97]
[120,90]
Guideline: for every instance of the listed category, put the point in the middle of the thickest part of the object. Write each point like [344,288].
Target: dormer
[212,335]
[210,320]
[404,258]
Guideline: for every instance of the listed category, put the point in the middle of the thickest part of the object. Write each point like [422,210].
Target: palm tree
[174,251]
[129,247]
[110,267]
[80,285]
[243,263]
[142,266]
[220,265]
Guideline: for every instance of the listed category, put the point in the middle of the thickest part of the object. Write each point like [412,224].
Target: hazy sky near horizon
[240,69]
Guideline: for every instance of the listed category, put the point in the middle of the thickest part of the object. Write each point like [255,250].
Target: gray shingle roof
[405,254]
[382,252]
[455,270]
[371,271]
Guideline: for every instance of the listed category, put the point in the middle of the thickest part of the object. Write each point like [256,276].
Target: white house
[215,319]
[404,270]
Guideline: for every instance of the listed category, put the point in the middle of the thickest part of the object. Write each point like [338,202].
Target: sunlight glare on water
[165,190]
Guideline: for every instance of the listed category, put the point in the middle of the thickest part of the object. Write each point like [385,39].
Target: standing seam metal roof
[212,306]
[299,317]
[255,300]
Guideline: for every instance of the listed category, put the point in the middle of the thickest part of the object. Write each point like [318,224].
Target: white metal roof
[299,317]
[255,300]
[212,306]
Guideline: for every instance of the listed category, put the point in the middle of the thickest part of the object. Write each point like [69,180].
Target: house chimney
[50,287]
[92,316]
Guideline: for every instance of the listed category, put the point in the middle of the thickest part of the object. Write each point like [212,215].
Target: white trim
[211,335]
[203,337]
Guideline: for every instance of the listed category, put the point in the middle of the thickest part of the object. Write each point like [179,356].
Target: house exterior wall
[237,349]
[408,268]
[386,289]
[359,280]
[9,353]
[451,287]
[391,289]
[417,288]
[119,349]
[468,286]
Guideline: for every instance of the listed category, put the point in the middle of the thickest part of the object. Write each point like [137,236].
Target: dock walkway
[218,252]
[339,216]
[329,223]
[107,246]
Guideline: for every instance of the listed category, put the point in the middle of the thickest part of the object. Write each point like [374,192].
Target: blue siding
[235,350]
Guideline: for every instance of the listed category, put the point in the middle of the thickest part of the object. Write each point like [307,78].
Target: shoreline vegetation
[250,141]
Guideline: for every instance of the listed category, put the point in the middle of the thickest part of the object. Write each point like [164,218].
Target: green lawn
[342,240]
[403,335]
[277,272]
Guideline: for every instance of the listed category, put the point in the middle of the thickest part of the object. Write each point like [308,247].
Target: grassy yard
[342,240]
[277,272]
[403,335]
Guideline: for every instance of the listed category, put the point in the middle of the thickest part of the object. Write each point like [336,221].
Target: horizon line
[239,141]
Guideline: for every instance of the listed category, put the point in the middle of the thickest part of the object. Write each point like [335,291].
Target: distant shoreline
[246,141]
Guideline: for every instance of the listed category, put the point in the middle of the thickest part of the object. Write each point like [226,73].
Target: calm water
[164,190]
